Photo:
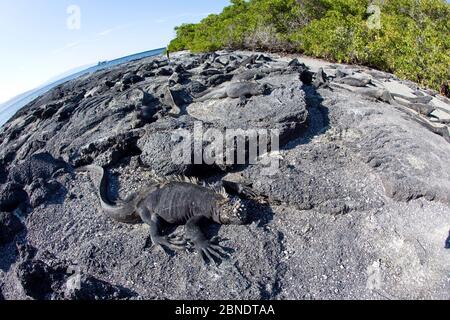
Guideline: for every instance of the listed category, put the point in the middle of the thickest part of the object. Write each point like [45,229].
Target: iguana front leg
[206,248]
[154,221]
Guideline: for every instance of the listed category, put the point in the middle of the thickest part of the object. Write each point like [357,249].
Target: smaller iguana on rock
[424,99]
[236,90]
[354,81]
[178,201]
[417,111]
[321,79]
[447,242]
[170,101]
[240,75]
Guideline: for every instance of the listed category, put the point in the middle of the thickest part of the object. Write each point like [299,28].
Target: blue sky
[37,43]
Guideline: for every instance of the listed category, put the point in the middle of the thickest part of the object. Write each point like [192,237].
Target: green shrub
[413,41]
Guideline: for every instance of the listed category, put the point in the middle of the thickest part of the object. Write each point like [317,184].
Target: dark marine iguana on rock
[178,201]
[411,106]
[235,90]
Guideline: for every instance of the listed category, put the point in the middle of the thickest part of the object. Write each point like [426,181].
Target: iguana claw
[211,251]
[248,192]
[173,243]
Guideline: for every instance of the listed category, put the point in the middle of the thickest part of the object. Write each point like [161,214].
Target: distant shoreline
[9,108]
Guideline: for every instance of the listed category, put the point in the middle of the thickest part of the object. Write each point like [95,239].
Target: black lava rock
[10,226]
[41,165]
[11,196]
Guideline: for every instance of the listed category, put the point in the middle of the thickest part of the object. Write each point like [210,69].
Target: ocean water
[9,108]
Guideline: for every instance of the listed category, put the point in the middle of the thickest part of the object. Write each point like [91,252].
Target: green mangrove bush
[410,38]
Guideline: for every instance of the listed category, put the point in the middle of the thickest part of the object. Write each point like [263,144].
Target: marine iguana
[447,242]
[178,201]
[255,74]
[236,90]
[170,101]
[425,99]
[321,79]
[353,81]
[415,110]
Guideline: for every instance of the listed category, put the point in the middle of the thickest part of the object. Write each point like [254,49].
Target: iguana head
[233,211]
[266,89]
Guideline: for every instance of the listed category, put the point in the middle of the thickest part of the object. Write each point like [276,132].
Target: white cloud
[108,31]
[67,47]
[104,32]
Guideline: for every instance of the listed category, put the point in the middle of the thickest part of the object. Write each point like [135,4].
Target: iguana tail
[125,211]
